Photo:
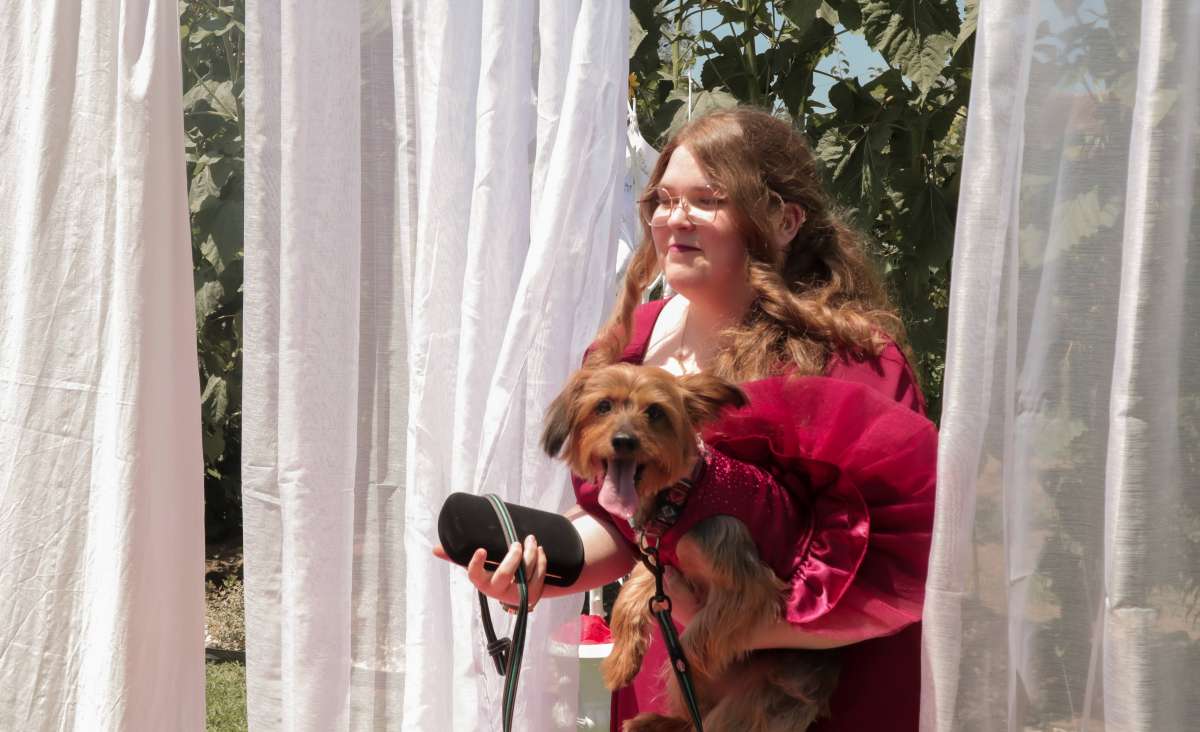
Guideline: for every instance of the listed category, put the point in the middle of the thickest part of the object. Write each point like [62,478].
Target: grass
[225,687]
[225,630]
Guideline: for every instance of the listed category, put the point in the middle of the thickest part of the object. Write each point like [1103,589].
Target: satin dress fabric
[835,476]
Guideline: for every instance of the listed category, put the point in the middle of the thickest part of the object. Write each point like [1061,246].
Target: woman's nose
[679,217]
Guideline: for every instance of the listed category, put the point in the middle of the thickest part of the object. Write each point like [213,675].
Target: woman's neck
[702,327]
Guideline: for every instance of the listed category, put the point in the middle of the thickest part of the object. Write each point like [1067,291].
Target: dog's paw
[619,668]
[655,723]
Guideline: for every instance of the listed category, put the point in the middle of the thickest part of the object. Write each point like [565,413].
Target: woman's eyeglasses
[700,205]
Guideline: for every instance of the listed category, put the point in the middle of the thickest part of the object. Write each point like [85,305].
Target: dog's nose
[624,443]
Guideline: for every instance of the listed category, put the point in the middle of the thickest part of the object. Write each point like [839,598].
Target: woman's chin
[684,279]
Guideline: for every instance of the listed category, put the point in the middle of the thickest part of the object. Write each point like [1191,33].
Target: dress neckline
[644,320]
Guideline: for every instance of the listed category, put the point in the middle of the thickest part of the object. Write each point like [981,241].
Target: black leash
[506,653]
[669,508]
[660,608]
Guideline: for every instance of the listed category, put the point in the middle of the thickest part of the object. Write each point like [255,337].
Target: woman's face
[705,262]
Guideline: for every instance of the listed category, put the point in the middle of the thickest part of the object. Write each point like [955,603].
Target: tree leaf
[218,96]
[203,191]
[725,71]
[702,103]
[800,13]
[917,37]
[215,398]
[795,87]
[932,227]
[856,168]
[208,299]
[845,12]
[212,255]
[636,33]
[969,23]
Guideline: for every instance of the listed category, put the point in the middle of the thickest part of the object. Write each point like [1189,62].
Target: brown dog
[634,431]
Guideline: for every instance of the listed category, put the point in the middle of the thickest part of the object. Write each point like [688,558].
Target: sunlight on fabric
[1063,591]
[433,192]
[101,474]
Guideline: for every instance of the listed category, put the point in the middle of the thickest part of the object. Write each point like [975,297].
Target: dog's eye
[603,407]
[655,412]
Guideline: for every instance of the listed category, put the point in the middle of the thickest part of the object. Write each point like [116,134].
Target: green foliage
[213,46]
[891,145]
[225,697]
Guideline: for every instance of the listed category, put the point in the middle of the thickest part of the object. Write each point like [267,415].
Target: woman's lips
[682,248]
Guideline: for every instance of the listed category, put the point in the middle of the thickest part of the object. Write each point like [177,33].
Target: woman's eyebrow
[672,189]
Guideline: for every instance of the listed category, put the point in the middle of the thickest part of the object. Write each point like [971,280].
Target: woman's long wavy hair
[815,295]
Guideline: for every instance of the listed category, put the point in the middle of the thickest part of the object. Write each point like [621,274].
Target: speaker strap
[506,652]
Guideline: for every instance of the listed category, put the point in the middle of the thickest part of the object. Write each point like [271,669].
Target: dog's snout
[624,443]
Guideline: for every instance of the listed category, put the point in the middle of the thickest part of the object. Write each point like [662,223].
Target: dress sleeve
[889,374]
[861,469]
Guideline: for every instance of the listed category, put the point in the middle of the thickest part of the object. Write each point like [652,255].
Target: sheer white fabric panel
[301,380]
[1063,590]
[101,494]
[431,208]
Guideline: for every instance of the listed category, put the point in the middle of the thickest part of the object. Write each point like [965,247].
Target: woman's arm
[606,557]
[781,633]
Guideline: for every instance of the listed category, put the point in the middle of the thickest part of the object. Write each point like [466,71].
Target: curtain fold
[431,212]
[1063,590]
[101,494]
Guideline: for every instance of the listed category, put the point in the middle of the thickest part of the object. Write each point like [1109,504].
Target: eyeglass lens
[700,205]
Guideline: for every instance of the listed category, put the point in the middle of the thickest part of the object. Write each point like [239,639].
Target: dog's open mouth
[618,489]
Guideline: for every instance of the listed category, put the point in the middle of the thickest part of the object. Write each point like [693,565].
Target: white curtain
[430,241]
[1064,591]
[101,495]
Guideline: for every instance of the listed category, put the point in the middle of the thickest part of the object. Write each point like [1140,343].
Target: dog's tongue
[618,495]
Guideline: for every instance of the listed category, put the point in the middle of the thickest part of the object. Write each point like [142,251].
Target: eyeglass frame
[676,202]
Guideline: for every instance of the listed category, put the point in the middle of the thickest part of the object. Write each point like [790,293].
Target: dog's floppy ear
[706,395]
[559,414]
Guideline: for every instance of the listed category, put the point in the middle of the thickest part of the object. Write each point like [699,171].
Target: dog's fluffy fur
[610,415]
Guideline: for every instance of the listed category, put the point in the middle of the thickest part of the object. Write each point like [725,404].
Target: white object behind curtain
[101,493]
[432,194]
[640,157]
[1063,590]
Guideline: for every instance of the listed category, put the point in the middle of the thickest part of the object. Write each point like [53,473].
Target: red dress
[862,471]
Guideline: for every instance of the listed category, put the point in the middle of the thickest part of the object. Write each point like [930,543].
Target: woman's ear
[706,395]
[791,217]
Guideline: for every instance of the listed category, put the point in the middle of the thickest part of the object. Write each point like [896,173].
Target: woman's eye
[655,412]
[603,407]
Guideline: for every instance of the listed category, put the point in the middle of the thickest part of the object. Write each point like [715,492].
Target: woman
[772,284]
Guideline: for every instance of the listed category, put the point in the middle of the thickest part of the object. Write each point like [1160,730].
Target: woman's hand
[684,602]
[501,583]
[606,555]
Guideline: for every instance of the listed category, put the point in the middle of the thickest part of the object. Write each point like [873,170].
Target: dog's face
[632,430]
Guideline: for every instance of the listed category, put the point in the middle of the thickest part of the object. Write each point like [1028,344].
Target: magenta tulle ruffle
[865,469]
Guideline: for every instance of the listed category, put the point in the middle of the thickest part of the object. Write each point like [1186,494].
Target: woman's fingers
[538,582]
[535,568]
[476,572]
[683,601]
[440,552]
[502,579]
[529,556]
[501,583]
